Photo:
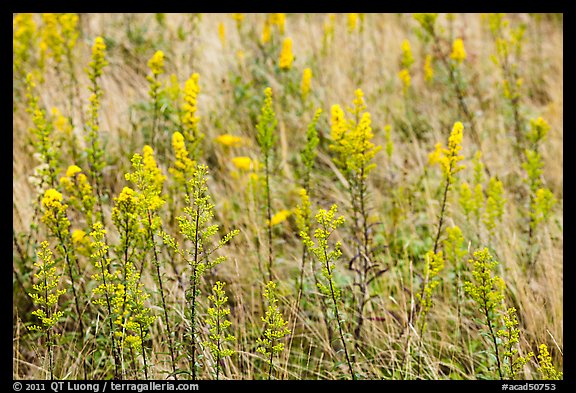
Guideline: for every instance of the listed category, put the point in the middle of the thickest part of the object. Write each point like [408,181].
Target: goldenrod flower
[538,130]
[156,63]
[407,58]
[428,70]
[352,22]
[404,76]
[243,163]
[24,31]
[266,32]
[449,158]
[286,56]
[189,108]
[68,25]
[229,140]
[458,51]
[238,18]
[338,122]
[51,198]
[55,212]
[306,81]
[52,39]
[61,122]
[98,56]
[183,169]
[222,33]
[279,217]
[78,236]
[352,141]
[279,20]
[151,166]
[72,170]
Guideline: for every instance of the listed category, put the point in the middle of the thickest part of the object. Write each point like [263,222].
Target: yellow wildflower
[228,140]
[150,166]
[279,217]
[286,56]
[78,236]
[189,108]
[407,58]
[222,33]
[51,198]
[72,170]
[156,63]
[339,125]
[183,169]
[61,122]
[306,80]
[458,51]
[404,76]
[279,20]
[352,22]
[266,32]
[243,163]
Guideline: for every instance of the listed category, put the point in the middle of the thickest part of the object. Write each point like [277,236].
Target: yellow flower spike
[266,32]
[72,170]
[458,51]
[352,22]
[238,17]
[286,56]
[407,58]
[338,122]
[229,140]
[151,166]
[279,217]
[183,169]
[51,198]
[222,33]
[279,20]
[78,236]
[243,163]
[306,82]
[52,40]
[436,156]
[190,107]
[405,78]
[156,63]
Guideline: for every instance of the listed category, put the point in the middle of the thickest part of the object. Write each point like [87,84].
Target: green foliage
[266,126]
[275,329]
[218,323]
[494,205]
[487,290]
[94,149]
[510,337]
[541,206]
[327,224]
[48,152]
[434,265]
[46,292]
[309,152]
[545,365]
[195,226]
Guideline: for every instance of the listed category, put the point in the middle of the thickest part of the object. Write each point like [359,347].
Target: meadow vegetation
[287,196]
